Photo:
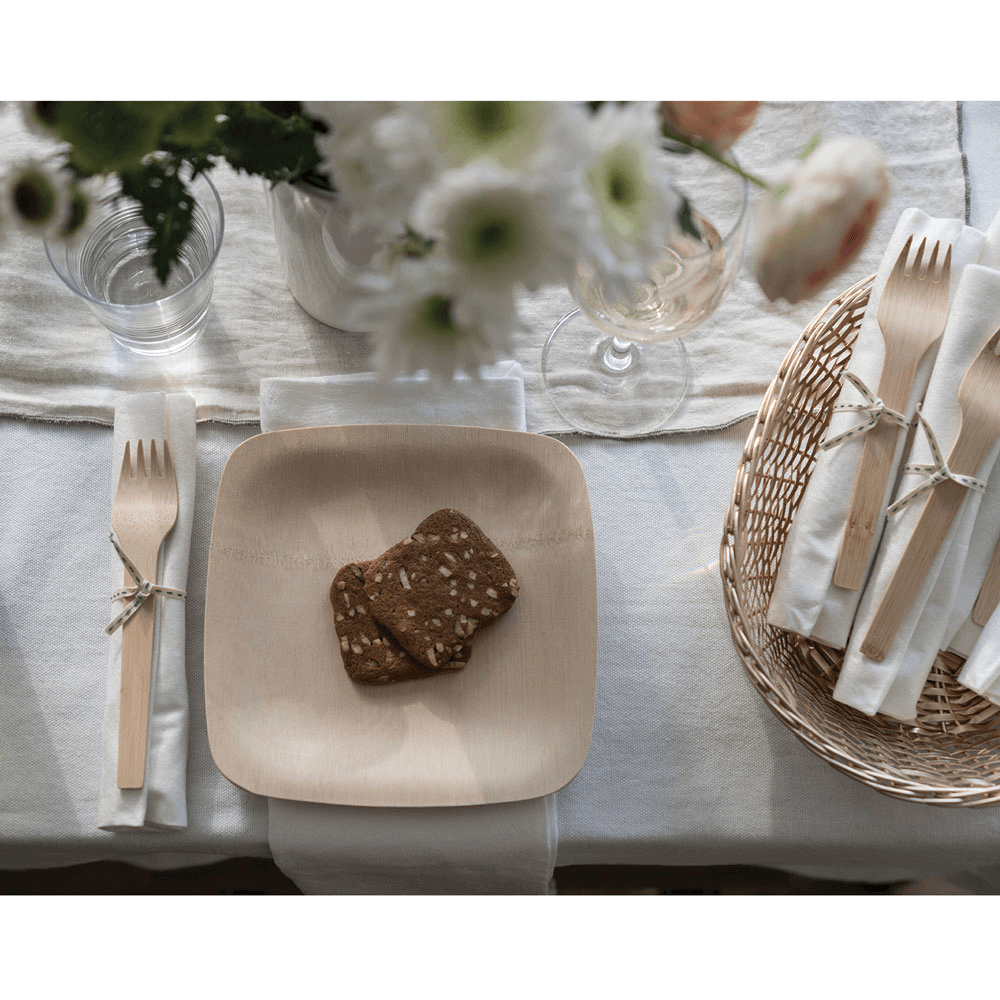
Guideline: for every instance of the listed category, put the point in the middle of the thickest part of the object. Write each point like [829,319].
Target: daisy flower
[516,135]
[633,201]
[36,198]
[378,194]
[38,119]
[496,227]
[425,318]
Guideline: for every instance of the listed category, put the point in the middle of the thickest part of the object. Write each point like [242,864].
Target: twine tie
[872,405]
[936,473]
[137,595]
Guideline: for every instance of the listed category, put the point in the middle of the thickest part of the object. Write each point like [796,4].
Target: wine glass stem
[619,354]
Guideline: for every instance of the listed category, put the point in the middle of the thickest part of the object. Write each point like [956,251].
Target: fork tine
[126,470]
[945,275]
[168,465]
[915,269]
[155,471]
[900,266]
[140,461]
[932,263]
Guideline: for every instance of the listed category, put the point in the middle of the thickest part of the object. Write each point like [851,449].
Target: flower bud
[719,123]
[810,229]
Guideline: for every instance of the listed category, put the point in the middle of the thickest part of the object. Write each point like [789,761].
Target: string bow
[873,405]
[936,473]
[138,594]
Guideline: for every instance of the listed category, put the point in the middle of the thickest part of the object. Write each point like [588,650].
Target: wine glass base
[610,387]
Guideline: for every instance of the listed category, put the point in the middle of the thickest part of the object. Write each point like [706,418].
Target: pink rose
[813,227]
[719,123]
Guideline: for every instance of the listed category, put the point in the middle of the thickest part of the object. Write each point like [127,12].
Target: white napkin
[805,599]
[162,801]
[508,848]
[893,686]
[981,672]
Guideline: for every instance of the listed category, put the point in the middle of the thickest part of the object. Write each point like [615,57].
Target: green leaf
[109,136]
[167,208]
[256,140]
[685,219]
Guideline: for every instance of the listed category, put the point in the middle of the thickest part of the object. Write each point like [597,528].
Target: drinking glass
[616,365]
[110,268]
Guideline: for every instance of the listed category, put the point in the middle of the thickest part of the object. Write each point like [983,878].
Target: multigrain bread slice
[433,590]
[370,654]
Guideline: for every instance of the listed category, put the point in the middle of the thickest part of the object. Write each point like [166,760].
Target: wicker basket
[951,754]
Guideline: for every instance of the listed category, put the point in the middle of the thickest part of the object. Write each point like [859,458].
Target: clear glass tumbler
[110,268]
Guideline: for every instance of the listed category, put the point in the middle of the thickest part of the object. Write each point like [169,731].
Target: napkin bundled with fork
[892,684]
[161,803]
[806,600]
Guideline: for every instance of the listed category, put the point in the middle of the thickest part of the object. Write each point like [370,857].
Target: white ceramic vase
[327,263]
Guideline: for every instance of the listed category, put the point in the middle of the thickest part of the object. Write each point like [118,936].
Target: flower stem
[706,150]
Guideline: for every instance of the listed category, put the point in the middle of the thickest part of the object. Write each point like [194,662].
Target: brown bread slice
[370,654]
[436,588]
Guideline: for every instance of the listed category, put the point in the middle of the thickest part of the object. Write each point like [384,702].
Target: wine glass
[616,365]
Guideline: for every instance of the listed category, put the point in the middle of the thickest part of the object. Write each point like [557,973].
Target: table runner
[62,365]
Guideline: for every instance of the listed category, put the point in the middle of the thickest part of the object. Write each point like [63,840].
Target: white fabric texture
[497,400]
[56,487]
[162,800]
[63,365]
[805,599]
[507,848]
[688,765]
[892,686]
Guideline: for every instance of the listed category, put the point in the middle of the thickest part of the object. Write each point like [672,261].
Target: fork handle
[867,505]
[989,592]
[943,504]
[932,527]
[136,676]
[899,368]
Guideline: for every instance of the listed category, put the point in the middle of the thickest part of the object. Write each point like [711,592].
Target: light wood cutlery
[979,406]
[143,514]
[912,314]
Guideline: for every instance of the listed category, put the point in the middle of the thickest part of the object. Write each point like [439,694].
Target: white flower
[377,193]
[813,227]
[35,197]
[426,318]
[498,228]
[633,201]
[517,135]
[34,118]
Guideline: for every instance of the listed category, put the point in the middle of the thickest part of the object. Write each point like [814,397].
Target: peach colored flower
[813,227]
[719,123]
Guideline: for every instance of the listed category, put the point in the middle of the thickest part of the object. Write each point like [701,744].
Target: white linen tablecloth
[687,765]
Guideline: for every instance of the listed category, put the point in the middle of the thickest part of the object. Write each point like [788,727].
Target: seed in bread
[370,654]
[436,588]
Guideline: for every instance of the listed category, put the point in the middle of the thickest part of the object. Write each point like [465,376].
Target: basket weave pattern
[951,754]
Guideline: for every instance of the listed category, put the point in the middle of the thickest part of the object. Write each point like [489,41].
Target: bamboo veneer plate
[285,720]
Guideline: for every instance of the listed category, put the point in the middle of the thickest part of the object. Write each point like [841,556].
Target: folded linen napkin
[981,672]
[508,848]
[805,599]
[893,685]
[162,801]
[963,633]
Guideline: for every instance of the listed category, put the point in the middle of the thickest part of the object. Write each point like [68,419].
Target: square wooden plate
[285,720]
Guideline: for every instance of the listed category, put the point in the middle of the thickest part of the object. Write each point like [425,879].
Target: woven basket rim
[839,755]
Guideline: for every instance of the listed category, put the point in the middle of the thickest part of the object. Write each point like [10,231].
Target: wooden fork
[989,592]
[912,314]
[979,428]
[143,514]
